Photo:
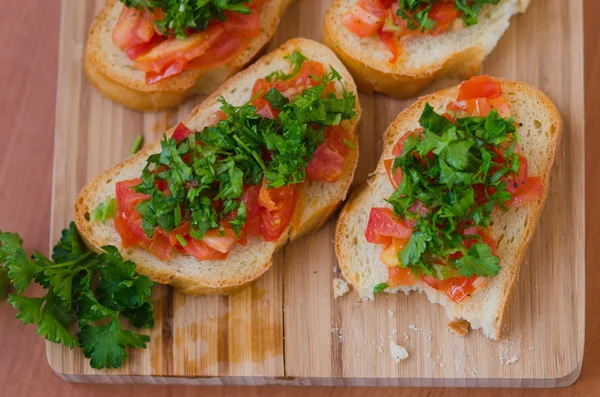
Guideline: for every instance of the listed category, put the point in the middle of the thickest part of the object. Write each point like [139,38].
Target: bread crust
[307,217]
[395,80]
[106,71]
[510,271]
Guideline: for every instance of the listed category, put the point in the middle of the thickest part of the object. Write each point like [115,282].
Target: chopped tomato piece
[128,239]
[326,165]
[305,78]
[265,200]
[443,14]
[512,185]
[173,49]
[475,107]
[458,288]
[392,44]
[389,256]
[383,225]
[396,175]
[182,231]
[181,132]
[366,18]
[134,223]
[127,198]
[399,276]
[220,239]
[140,49]
[201,251]
[230,44]
[253,210]
[338,139]
[134,27]
[160,247]
[274,222]
[486,238]
[501,105]
[399,146]
[246,25]
[479,87]
[264,108]
[529,192]
[171,70]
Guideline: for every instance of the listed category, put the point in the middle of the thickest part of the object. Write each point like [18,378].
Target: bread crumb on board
[460,327]
[398,353]
[340,287]
[512,360]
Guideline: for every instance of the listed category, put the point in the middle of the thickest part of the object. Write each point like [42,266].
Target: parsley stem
[251,152]
[71,263]
[137,144]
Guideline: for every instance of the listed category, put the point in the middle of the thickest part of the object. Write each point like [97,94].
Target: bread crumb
[390,313]
[460,327]
[394,331]
[340,287]
[512,360]
[398,352]
[531,348]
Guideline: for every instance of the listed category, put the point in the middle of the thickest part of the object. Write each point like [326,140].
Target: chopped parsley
[182,16]
[463,160]
[96,291]
[416,12]
[379,288]
[245,148]
[106,209]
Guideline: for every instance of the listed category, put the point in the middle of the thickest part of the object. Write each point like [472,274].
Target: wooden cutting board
[286,328]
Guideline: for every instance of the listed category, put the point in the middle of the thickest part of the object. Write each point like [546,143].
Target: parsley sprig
[215,163]
[463,156]
[95,291]
[181,16]
[416,12]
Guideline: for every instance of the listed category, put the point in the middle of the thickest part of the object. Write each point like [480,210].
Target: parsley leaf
[379,288]
[478,261]
[296,58]
[105,345]
[71,296]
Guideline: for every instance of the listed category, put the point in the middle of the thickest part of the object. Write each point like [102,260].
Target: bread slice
[456,53]
[317,200]
[359,260]
[113,73]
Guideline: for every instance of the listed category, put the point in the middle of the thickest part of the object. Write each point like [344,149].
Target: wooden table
[28,84]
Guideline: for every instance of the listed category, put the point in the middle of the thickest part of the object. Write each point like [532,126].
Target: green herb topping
[137,144]
[463,160]
[104,210]
[379,288]
[416,12]
[94,290]
[181,16]
[216,163]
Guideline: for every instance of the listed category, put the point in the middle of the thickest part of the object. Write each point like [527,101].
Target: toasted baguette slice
[113,74]
[457,52]
[317,200]
[359,260]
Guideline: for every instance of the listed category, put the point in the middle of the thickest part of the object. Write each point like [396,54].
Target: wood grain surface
[32,86]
